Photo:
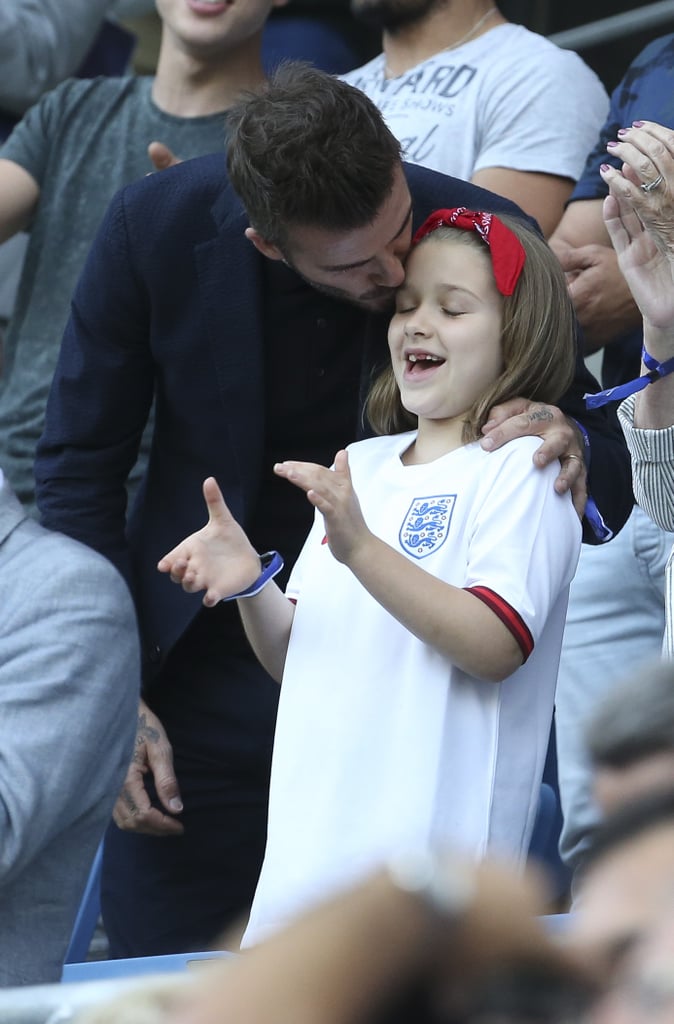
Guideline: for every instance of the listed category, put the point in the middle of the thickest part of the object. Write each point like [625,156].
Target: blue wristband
[594,517]
[271,563]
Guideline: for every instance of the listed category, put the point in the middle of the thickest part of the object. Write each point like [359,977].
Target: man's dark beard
[392,14]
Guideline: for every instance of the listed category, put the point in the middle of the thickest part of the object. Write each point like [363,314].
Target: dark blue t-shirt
[645,93]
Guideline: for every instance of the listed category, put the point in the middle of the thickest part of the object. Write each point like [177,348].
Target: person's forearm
[604,327]
[375,936]
[336,964]
[447,618]
[654,406]
[652,451]
[267,620]
[19,196]
[352,956]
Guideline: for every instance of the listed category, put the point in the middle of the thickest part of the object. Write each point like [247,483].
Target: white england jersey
[381,742]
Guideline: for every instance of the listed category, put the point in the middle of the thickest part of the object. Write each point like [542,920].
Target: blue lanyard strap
[655,371]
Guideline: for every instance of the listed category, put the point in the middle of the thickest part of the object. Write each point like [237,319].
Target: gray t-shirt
[509,98]
[81,142]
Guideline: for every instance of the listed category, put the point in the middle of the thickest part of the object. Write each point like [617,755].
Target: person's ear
[267,249]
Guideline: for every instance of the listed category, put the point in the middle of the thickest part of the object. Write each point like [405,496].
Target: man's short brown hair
[308,149]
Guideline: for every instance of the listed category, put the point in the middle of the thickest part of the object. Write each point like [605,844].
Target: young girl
[419,636]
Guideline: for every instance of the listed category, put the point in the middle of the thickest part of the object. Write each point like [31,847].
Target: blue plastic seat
[556,924]
[98,970]
[88,913]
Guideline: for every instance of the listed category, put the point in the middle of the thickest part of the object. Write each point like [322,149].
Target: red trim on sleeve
[511,619]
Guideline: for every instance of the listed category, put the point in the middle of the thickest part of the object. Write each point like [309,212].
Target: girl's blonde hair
[538,338]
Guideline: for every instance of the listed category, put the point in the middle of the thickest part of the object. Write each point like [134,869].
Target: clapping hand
[331,492]
[639,217]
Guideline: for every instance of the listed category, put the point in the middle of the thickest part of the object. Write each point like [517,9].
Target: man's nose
[390,270]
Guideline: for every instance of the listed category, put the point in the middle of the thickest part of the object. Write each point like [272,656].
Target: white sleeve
[526,538]
[652,453]
[541,114]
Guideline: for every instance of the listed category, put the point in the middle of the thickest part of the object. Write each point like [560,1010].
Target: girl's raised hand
[331,492]
[219,558]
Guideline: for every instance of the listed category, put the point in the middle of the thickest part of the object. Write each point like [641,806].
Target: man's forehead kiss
[361,263]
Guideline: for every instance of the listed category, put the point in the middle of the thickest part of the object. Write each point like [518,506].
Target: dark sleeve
[644,92]
[609,474]
[99,400]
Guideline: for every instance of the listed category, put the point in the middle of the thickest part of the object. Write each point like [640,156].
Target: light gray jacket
[69,682]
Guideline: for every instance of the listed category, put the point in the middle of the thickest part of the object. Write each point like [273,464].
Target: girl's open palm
[219,558]
[332,493]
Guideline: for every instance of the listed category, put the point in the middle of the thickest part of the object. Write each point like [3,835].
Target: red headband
[507,252]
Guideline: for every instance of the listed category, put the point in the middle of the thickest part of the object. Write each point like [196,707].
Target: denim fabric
[615,621]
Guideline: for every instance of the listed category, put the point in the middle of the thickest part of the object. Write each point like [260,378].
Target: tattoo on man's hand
[146,732]
[129,801]
[540,414]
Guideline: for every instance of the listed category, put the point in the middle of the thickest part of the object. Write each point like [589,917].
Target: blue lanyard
[655,371]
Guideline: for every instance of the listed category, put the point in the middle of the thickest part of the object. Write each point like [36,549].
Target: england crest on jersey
[426,524]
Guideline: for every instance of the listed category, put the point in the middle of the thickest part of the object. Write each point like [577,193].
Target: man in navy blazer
[252,353]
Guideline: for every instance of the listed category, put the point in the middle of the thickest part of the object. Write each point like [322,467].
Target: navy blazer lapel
[230,279]
[229,272]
